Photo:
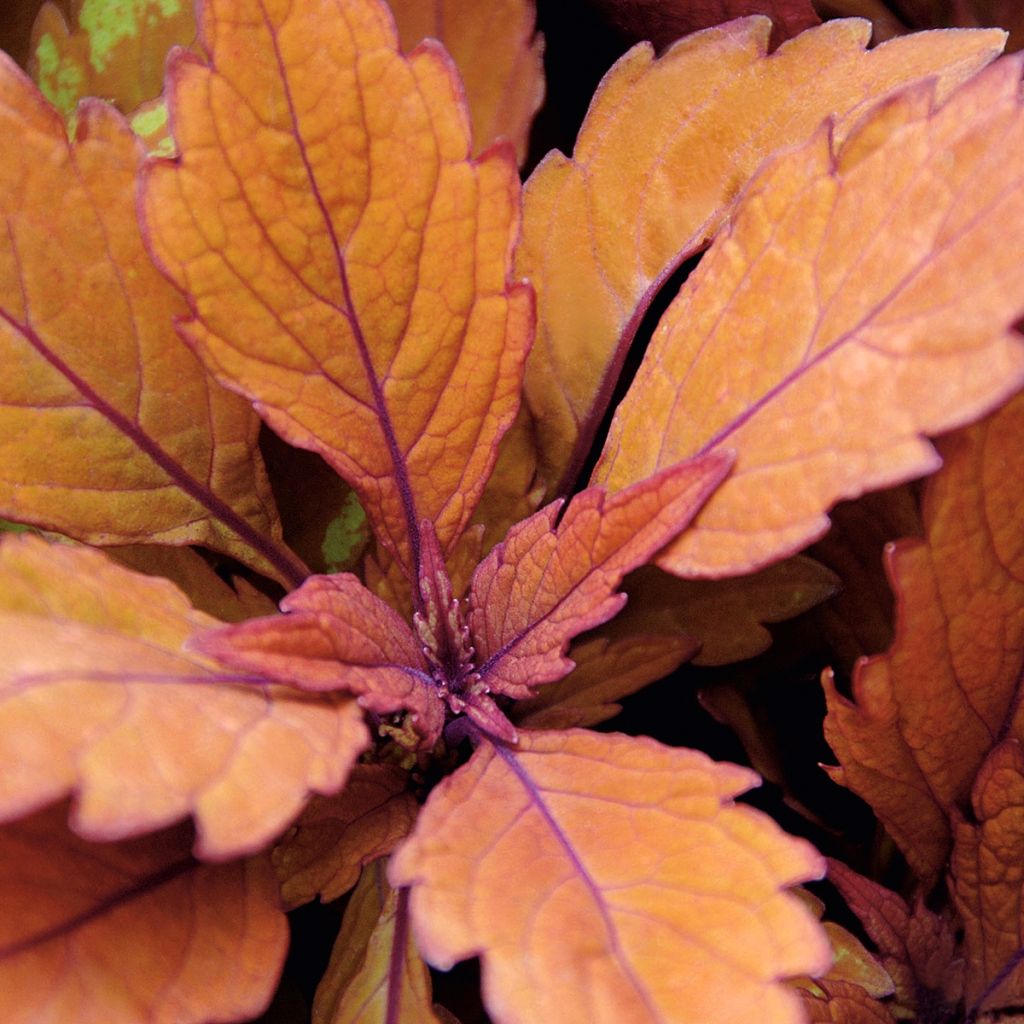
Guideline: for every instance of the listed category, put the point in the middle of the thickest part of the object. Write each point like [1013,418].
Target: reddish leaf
[609,878]
[336,635]
[666,147]
[608,668]
[842,1002]
[498,56]
[544,585]
[133,931]
[819,362]
[950,681]
[664,21]
[987,871]
[356,289]
[97,698]
[337,836]
[112,431]
[916,947]
[375,973]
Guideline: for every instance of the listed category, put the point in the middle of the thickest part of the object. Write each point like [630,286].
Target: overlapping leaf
[375,973]
[987,871]
[951,679]
[113,49]
[544,584]
[665,149]
[336,836]
[608,878]
[132,931]
[842,1002]
[111,429]
[354,285]
[862,297]
[498,56]
[98,698]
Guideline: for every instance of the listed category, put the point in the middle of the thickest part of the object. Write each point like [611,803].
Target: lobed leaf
[987,873]
[665,149]
[132,931]
[98,698]
[544,584]
[862,297]
[336,635]
[498,56]
[111,430]
[337,836]
[375,973]
[608,879]
[346,264]
[951,679]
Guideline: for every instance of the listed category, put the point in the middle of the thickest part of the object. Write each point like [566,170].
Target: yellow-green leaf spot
[346,537]
[109,22]
[59,80]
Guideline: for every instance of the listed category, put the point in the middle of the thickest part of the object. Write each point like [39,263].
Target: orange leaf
[98,698]
[666,147]
[113,49]
[497,54]
[609,879]
[133,931]
[338,835]
[112,430]
[987,870]
[820,362]
[544,584]
[607,669]
[375,973]
[950,681]
[356,287]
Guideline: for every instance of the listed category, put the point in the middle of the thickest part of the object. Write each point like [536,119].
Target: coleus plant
[317,249]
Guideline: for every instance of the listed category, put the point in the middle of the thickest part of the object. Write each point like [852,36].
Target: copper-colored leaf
[665,149]
[950,681]
[917,947]
[98,698]
[862,297]
[336,635]
[664,21]
[112,431]
[375,973]
[608,878]
[497,54]
[133,931]
[987,870]
[842,1002]
[356,286]
[544,584]
[337,836]
[608,668]
[725,616]
[113,49]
